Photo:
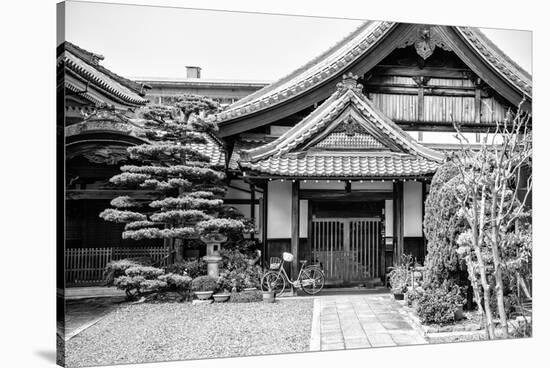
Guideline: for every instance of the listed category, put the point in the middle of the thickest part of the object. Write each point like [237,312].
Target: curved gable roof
[339,58]
[296,152]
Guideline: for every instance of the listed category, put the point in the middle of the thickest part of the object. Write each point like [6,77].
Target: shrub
[413,295]
[438,305]
[442,225]
[237,272]
[399,275]
[139,279]
[204,283]
[246,297]
[192,269]
[116,269]
[180,284]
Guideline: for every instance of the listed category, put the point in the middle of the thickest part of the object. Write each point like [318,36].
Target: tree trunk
[486,294]
[178,246]
[499,289]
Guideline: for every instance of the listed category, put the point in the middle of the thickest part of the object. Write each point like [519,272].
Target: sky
[144,41]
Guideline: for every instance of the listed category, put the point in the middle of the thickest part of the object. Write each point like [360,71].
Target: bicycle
[311,279]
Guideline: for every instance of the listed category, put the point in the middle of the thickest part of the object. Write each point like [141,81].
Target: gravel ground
[173,331]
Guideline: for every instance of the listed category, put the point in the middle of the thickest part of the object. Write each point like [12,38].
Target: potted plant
[204,286]
[223,286]
[398,281]
[268,295]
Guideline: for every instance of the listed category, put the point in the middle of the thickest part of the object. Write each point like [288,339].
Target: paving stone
[396,325]
[407,339]
[373,327]
[339,346]
[363,321]
[357,343]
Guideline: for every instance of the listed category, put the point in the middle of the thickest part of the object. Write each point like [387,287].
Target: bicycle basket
[288,257]
[274,263]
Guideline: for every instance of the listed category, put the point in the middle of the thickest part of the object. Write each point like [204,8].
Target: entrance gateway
[346,239]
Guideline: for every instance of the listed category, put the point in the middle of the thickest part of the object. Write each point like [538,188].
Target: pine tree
[173,165]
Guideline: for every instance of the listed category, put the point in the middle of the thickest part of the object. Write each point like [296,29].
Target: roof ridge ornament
[425,39]
[349,82]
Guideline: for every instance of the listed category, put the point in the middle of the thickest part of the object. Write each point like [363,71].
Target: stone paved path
[360,321]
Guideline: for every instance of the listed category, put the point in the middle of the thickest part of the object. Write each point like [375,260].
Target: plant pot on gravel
[398,296]
[221,297]
[459,313]
[268,296]
[204,286]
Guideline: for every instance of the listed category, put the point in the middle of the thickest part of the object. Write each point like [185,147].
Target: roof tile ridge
[498,59]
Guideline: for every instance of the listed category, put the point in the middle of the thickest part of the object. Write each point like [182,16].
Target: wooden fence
[85,266]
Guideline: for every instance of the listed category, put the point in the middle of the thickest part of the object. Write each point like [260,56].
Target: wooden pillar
[295,226]
[264,224]
[398,222]
[253,205]
[477,106]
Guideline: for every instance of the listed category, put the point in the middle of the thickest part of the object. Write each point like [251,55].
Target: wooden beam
[477,107]
[342,194]
[295,226]
[404,71]
[239,201]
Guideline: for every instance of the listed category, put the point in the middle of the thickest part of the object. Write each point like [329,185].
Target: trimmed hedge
[442,227]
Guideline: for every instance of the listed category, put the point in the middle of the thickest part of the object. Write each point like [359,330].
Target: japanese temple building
[332,157]
[333,161]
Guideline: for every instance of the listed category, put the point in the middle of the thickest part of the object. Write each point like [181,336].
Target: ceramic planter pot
[220,298]
[459,313]
[268,296]
[203,295]
[399,296]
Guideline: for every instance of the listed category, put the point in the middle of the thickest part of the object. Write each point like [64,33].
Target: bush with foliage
[193,268]
[180,284]
[442,225]
[116,269]
[238,270]
[204,283]
[140,280]
[399,275]
[413,295]
[246,297]
[438,305]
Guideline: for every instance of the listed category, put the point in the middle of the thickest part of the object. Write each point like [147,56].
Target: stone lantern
[213,245]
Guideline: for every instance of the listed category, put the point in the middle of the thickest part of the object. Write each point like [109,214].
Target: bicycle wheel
[312,280]
[275,280]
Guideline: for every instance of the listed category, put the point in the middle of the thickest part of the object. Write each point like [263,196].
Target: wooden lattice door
[348,248]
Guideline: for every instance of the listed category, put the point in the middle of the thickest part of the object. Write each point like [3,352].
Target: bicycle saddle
[303,261]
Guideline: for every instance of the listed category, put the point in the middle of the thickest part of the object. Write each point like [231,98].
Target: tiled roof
[335,60]
[313,73]
[86,66]
[214,150]
[346,136]
[358,165]
[506,67]
[346,103]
